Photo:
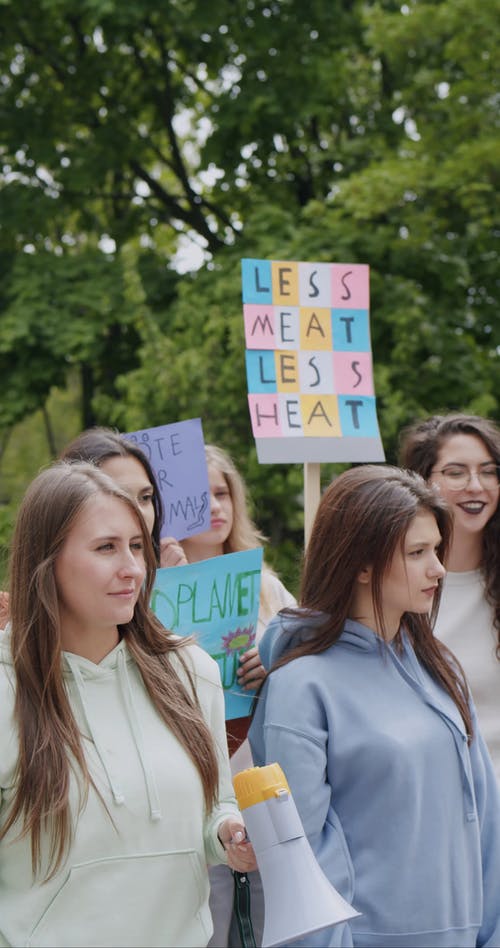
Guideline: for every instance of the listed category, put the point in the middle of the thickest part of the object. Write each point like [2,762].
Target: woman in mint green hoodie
[114,776]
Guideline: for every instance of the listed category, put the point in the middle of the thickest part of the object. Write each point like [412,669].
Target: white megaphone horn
[298,898]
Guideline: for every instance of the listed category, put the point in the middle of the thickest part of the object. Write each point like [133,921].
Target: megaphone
[298,898]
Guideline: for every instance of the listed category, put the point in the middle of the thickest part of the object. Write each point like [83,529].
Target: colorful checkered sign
[309,361]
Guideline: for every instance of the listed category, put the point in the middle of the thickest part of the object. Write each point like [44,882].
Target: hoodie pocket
[153,899]
[339,868]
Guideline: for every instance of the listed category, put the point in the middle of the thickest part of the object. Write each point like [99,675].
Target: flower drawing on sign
[238,640]
[233,644]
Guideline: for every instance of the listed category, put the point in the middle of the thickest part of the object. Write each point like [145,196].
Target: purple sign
[176,453]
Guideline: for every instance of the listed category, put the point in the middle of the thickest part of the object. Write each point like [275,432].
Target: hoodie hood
[82,676]
[286,632]
[117,663]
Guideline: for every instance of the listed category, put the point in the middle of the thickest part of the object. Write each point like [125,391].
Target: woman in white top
[232,530]
[460,455]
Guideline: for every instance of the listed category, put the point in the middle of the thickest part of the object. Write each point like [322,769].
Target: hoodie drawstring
[135,725]
[80,687]
[459,736]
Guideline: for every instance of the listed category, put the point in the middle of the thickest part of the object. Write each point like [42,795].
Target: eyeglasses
[458,476]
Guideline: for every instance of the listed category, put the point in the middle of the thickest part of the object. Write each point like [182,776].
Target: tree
[91,99]
[64,314]
[373,125]
[333,130]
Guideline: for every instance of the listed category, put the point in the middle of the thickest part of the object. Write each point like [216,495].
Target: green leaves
[330,130]
[62,312]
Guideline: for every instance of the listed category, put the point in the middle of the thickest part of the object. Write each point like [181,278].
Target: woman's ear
[365,575]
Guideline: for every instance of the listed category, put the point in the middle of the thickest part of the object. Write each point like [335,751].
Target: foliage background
[146,148]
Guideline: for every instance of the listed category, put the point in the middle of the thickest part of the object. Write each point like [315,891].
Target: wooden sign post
[312,495]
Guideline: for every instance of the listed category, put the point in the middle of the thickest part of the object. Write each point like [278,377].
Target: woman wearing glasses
[460,455]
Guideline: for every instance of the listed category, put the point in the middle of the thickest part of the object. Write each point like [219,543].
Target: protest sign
[308,361]
[217,601]
[176,453]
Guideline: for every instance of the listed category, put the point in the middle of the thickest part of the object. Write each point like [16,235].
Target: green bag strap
[241,902]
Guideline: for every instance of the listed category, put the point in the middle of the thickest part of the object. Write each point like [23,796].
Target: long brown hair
[49,738]
[362,520]
[420,445]
[98,445]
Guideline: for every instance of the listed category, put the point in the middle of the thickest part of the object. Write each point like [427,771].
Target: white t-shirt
[465,625]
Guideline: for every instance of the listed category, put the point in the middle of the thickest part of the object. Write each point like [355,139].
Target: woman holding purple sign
[128,465]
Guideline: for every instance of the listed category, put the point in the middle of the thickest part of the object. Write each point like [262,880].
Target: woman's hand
[251,671]
[240,852]
[171,553]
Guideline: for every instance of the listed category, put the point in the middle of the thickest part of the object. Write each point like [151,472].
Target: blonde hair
[244,535]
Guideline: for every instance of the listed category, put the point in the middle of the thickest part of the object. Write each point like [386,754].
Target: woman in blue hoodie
[370,718]
[115,787]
